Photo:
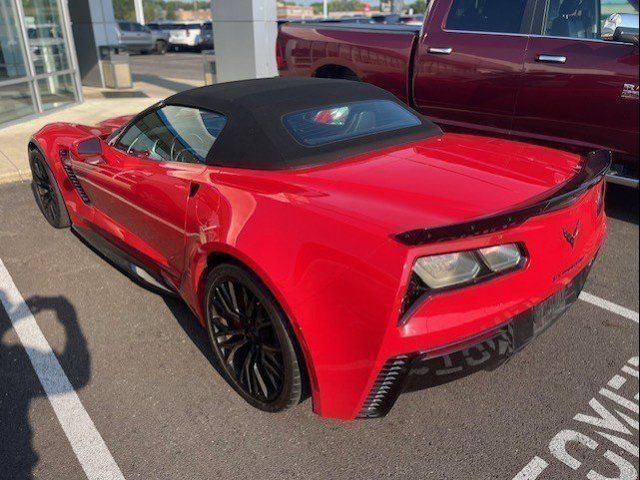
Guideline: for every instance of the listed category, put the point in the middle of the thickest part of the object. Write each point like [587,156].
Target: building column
[245,33]
[137,4]
[94,26]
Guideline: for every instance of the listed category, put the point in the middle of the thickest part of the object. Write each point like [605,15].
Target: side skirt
[123,261]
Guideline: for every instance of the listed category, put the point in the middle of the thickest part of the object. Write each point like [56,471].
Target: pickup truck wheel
[161,47]
[337,72]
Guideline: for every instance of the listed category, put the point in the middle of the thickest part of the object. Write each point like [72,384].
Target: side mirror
[87,148]
[625,35]
[621,27]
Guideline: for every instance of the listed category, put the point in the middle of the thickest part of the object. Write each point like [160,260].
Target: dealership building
[41,70]
[38,64]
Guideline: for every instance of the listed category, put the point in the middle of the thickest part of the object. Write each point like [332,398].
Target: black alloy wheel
[251,339]
[46,192]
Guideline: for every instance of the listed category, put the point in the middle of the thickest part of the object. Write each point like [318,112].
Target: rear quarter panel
[335,277]
[377,57]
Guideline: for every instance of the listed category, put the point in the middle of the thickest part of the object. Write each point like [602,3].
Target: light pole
[326,9]
[137,4]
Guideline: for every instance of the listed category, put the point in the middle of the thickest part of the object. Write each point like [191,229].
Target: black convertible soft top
[255,136]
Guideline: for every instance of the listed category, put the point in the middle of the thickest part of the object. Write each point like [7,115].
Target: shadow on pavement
[191,326]
[485,356]
[161,82]
[19,383]
[622,203]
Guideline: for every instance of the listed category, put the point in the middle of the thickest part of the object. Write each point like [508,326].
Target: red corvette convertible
[326,235]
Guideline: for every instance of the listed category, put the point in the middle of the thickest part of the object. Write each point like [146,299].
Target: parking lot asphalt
[563,408]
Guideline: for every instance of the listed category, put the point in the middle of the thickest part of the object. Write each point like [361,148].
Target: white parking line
[86,441]
[612,307]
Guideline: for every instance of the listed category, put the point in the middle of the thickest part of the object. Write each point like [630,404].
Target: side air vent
[64,157]
[387,387]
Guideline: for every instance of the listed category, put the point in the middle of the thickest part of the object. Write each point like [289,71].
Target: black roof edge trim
[593,170]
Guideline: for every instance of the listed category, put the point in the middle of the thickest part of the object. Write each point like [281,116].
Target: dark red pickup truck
[560,72]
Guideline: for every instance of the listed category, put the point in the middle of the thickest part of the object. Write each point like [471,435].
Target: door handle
[441,51]
[545,58]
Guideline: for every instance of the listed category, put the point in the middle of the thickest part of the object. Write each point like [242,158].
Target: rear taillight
[280,60]
[602,194]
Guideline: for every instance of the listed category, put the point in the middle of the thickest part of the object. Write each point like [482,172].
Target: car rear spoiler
[592,171]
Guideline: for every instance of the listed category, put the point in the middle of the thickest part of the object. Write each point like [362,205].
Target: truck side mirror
[626,35]
[621,27]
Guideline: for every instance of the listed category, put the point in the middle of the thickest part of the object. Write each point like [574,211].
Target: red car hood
[441,181]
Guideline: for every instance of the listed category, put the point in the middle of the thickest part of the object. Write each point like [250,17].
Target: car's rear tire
[252,340]
[46,192]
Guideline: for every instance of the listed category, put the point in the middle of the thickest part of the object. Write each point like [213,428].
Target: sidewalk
[14,162]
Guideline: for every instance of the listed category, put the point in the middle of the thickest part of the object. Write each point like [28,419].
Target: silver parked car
[137,38]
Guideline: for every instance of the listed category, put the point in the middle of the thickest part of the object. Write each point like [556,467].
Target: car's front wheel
[46,192]
[252,340]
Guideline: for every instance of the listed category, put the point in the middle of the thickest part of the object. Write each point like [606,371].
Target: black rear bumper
[487,351]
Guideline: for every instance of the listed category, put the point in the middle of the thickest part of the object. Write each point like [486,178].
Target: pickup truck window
[583,19]
[496,16]
[322,126]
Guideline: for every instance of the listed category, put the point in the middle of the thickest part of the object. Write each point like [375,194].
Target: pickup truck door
[469,62]
[578,90]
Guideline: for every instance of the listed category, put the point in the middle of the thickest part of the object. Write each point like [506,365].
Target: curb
[15,177]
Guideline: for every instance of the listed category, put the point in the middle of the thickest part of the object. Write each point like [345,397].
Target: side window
[586,18]
[125,26]
[173,134]
[497,16]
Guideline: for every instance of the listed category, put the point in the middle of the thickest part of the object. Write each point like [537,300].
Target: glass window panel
[15,102]
[45,32]
[12,64]
[174,134]
[321,126]
[584,19]
[56,91]
[498,16]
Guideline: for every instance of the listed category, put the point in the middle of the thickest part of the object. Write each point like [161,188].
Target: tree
[419,6]
[339,6]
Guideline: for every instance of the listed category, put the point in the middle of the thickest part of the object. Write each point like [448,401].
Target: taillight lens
[280,60]
[602,194]
[436,273]
[441,271]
